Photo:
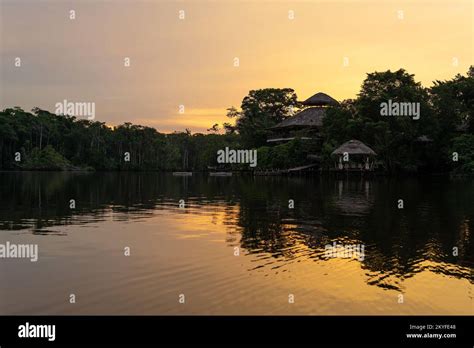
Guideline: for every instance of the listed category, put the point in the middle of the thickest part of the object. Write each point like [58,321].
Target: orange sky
[190,62]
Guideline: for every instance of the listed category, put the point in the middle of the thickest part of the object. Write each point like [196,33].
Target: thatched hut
[307,123]
[311,117]
[354,155]
[320,99]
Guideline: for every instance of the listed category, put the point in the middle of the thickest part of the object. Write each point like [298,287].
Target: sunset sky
[191,61]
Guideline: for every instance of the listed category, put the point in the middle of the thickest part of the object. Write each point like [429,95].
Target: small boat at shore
[220,174]
[182,173]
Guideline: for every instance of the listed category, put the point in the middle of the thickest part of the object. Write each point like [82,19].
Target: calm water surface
[191,251]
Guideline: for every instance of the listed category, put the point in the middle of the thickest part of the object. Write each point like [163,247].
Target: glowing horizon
[190,61]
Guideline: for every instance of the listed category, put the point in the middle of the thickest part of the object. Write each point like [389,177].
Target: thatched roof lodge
[320,99]
[354,147]
[312,117]
[309,119]
[354,155]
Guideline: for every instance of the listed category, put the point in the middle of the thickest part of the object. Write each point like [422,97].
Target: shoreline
[316,173]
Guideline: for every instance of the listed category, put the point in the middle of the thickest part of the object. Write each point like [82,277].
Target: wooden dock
[220,173]
[182,173]
[285,171]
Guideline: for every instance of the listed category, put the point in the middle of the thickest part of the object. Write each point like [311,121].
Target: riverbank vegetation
[41,140]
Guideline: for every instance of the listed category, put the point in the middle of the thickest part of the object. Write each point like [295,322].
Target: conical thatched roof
[354,147]
[311,117]
[321,99]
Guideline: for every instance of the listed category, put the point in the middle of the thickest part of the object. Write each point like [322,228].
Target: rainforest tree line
[45,141]
[48,141]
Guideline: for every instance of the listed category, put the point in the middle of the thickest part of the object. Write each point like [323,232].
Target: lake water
[236,247]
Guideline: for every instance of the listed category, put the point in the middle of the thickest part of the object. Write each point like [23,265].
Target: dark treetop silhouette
[41,140]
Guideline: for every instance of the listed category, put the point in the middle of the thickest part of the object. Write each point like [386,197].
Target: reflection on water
[236,247]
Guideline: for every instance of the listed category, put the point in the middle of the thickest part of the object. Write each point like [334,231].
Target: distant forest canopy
[45,141]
